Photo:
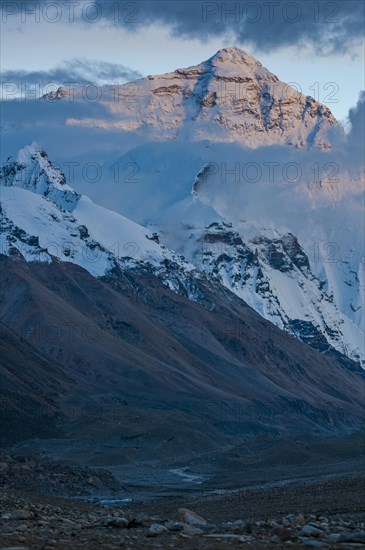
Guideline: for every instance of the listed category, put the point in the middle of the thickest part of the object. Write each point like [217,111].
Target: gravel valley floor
[328,514]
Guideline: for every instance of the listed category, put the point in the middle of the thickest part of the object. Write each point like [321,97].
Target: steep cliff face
[229,97]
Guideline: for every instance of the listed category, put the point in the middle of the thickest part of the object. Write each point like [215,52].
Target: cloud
[263,24]
[75,71]
[355,140]
[349,148]
[356,118]
[26,120]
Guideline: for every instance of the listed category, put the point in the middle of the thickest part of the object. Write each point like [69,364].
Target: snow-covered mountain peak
[228,97]
[31,169]
[33,148]
[229,64]
[35,154]
[236,56]
[236,65]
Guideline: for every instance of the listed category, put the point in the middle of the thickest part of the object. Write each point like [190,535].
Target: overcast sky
[316,45]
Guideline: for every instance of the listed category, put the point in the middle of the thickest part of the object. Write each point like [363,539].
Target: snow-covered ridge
[40,227]
[294,252]
[32,170]
[229,97]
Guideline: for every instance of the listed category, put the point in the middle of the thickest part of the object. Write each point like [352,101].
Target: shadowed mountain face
[82,355]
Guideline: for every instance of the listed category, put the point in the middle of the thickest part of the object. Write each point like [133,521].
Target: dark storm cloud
[263,24]
[76,71]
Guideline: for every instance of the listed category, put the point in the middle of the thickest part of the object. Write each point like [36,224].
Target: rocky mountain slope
[128,338]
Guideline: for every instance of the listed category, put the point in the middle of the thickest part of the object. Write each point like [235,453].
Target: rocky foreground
[32,521]
[51,506]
